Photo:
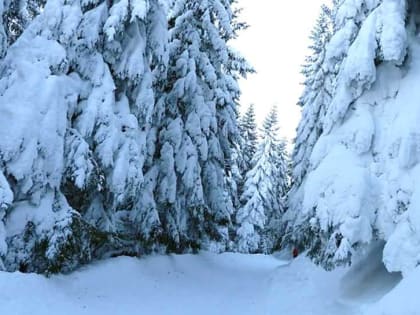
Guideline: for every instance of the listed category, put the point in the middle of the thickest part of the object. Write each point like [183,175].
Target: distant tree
[249,131]
[260,217]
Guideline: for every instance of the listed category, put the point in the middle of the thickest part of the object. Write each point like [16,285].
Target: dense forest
[121,133]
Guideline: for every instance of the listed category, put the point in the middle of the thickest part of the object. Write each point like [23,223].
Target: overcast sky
[276,45]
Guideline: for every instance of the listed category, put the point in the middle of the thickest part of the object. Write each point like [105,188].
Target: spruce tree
[197,126]
[235,174]
[275,227]
[318,87]
[340,204]
[259,218]
[316,94]
[248,127]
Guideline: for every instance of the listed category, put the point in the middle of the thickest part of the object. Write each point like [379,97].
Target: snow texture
[214,284]
[169,285]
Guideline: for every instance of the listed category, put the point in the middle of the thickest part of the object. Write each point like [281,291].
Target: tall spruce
[263,198]
[316,94]
[347,199]
[320,76]
[235,174]
[197,126]
[275,229]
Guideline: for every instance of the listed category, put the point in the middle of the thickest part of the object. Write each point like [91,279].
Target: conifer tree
[315,99]
[259,218]
[248,127]
[243,151]
[235,174]
[198,125]
[316,95]
[339,197]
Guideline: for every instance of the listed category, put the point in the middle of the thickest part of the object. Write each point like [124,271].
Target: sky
[276,45]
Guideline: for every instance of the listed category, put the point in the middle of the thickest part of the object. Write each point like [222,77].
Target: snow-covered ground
[203,284]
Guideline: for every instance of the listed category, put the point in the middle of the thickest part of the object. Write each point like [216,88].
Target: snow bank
[403,300]
[368,281]
[209,284]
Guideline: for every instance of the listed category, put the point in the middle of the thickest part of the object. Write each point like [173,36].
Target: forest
[123,136]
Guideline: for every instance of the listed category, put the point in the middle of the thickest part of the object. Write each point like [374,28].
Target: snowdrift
[403,300]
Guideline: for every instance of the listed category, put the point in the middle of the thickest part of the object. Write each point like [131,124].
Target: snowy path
[206,284]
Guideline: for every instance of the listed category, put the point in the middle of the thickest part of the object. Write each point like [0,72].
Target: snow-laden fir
[259,217]
[358,182]
[249,132]
[196,127]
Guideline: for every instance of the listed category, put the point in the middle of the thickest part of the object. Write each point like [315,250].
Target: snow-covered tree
[259,219]
[273,234]
[316,94]
[197,119]
[234,172]
[357,186]
[81,110]
[319,84]
[249,131]
[243,151]
[33,125]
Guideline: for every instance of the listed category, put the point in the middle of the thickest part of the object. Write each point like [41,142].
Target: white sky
[276,44]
